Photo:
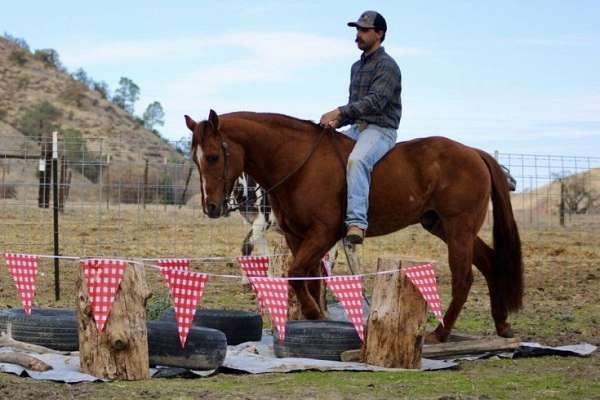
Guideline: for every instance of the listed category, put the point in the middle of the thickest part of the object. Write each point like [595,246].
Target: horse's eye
[212,159]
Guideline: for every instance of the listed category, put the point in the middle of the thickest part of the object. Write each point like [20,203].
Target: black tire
[238,326]
[205,348]
[322,340]
[54,328]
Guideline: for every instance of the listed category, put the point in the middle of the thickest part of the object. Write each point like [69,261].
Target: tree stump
[121,350]
[397,318]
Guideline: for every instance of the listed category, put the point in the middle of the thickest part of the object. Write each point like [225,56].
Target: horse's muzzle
[214,210]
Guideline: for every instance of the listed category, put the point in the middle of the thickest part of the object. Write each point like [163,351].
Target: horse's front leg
[308,254]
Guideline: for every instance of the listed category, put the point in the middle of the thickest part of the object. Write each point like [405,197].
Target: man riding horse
[374,110]
[437,182]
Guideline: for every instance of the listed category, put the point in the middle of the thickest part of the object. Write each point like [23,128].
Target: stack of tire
[205,349]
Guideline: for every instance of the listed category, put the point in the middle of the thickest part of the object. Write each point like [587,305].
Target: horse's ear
[213,119]
[191,124]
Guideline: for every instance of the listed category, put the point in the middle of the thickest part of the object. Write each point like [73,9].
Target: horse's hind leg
[483,261]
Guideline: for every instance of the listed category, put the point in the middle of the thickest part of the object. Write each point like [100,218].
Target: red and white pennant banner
[254,265]
[348,290]
[103,278]
[423,277]
[23,268]
[186,289]
[273,295]
[173,263]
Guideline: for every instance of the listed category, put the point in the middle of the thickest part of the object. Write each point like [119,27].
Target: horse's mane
[278,120]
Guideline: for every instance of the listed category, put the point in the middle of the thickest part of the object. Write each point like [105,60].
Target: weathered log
[397,318]
[454,349]
[121,350]
[24,360]
[7,341]
[478,346]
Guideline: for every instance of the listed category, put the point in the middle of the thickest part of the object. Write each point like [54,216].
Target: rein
[227,199]
[285,178]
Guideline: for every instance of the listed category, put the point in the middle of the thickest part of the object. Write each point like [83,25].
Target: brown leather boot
[355,235]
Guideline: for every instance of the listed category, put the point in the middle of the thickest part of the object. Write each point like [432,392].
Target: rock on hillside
[24,84]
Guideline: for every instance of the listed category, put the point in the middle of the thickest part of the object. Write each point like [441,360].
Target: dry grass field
[562,305]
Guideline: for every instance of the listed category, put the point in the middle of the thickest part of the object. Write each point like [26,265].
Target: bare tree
[579,197]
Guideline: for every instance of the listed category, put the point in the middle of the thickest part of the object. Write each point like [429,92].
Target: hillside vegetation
[31,79]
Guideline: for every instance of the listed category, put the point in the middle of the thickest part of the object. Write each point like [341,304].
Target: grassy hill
[26,80]
[86,119]
[546,198]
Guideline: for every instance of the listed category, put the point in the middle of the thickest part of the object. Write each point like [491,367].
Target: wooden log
[397,318]
[24,360]
[7,341]
[121,350]
[477,346]
[454,349]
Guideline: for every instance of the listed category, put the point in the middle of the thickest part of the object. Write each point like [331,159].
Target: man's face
[366,38]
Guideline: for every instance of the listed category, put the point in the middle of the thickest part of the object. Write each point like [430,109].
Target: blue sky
[513,76]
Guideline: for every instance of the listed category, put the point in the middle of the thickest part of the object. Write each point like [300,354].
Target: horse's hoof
[313,315]
[432,338]
[507,333]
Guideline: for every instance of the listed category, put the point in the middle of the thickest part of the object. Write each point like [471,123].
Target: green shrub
[49,57]
[39,120]
[17,57]
[156,305]
[74,93]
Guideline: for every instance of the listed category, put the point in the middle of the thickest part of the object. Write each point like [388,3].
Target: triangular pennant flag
[103,279]
[186,291]
[173,263]
[254,265]
[23,268]
[348,291]
[423,277]
[273,294]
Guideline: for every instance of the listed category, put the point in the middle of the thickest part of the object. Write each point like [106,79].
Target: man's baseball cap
[370,19]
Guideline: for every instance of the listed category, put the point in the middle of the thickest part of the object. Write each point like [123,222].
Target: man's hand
[331,119]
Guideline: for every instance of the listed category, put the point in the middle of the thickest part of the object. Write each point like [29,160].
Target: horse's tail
[508,261]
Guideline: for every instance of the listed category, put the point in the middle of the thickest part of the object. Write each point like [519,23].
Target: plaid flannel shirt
[375,87]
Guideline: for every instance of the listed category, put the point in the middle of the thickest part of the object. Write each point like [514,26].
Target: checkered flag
[423,277]
[186,289]
[254,265]
[173,263]
[23,268]
[273,294]
[348,290]
[103,278]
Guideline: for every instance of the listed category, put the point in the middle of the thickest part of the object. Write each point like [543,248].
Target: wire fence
[149,205]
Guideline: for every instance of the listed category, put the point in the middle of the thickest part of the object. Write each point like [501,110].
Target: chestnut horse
[442,184]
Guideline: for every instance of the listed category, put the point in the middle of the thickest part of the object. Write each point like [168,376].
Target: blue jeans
[371,145]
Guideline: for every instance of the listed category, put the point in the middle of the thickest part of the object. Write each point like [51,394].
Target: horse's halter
[226,195]
[227,201]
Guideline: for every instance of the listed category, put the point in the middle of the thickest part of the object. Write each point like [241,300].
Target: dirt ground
[562,306]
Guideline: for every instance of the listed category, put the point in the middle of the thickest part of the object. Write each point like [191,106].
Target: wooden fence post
[121,350]
[397,318]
